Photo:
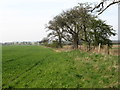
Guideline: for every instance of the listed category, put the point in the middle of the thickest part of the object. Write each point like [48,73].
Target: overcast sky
[24,20]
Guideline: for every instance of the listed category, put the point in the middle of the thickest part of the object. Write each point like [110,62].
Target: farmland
[40,67]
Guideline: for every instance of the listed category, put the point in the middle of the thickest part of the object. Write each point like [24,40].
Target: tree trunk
[108,52]
[75,41]
[60,42]
[89,46]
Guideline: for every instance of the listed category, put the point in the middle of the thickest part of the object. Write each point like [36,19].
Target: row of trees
[79,24]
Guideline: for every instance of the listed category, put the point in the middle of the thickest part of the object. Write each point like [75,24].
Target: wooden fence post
[99,47]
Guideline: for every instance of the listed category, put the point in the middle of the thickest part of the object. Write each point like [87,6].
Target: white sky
[24,20]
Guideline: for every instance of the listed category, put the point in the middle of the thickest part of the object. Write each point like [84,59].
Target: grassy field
[40,67]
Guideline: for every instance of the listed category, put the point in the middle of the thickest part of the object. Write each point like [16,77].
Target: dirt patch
[65,48]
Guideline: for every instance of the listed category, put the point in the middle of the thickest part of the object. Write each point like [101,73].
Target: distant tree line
[22,43]
[78,25]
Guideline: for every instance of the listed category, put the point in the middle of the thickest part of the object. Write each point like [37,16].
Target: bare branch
[109,6]
[101,6]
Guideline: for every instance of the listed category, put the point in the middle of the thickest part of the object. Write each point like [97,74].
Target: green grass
[39,67]
[115,48]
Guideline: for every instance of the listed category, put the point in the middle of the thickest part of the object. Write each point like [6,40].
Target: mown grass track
[39,67]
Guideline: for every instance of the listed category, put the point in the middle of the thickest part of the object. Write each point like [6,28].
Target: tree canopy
[78,24]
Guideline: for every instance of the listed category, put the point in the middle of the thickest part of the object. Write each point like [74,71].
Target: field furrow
[39,67]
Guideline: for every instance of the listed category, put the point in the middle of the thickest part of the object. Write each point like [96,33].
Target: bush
[54,44]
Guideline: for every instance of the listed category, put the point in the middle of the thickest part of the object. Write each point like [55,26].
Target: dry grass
[65,48]
[113,51]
